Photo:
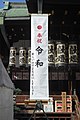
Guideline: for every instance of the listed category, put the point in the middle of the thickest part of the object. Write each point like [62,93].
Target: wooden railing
[20,100]
[77,107]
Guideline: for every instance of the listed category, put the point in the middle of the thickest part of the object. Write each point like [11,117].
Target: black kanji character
[38,63]
[39,50]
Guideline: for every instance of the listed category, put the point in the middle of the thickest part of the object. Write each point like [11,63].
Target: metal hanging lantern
[73,54]
[22,56]
[60,59]
[29,56]
[12,57]
[51,53]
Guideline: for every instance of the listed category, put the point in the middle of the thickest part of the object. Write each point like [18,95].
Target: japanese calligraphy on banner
[39,57]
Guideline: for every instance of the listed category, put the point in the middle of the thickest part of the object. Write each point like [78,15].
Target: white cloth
[39,57]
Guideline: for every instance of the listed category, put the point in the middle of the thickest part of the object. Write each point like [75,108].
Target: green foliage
[17,91]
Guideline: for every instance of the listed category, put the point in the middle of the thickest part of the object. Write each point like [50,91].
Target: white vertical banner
[39,86]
